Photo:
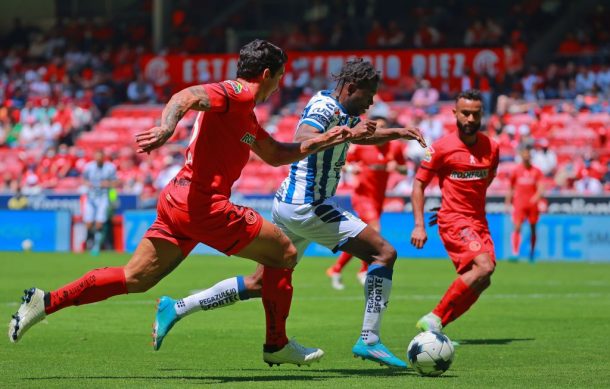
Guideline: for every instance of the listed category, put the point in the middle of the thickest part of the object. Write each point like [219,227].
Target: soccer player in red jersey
[195,207]
[465,163]
[372,165]
[526,189]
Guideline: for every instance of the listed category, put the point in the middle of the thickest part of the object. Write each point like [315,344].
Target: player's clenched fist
[419,237]
[364,129]
[152,139]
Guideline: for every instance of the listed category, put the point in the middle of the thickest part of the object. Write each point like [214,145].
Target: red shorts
[213,221]
[529,212]
[464,240]
[366,209]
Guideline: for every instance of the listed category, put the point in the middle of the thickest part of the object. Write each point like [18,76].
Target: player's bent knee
[137,283]
[290,256]
[388,255]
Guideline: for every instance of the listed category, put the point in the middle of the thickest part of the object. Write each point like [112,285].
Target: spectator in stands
[426,97]
[585,80]
[531,84]
[544,158]
[141,91]
[588,185]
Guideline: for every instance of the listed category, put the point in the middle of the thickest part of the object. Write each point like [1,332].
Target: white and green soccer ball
[430,353]
[27,244]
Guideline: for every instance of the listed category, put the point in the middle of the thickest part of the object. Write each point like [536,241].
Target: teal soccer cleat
[378,353]
[164,320]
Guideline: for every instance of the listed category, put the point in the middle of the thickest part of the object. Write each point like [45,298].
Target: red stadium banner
[439,65]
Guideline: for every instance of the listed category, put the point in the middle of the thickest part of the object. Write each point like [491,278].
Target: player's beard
[468,129]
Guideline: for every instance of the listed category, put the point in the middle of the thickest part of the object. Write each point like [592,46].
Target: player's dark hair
[470,94]
[257,56]
[359,72]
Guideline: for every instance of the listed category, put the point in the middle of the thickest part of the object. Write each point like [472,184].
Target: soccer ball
[430,353]
[27,244]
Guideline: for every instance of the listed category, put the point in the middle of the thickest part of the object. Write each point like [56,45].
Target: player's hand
[434,218]
[419,237]
[414,134]
[152,139]
[364,129]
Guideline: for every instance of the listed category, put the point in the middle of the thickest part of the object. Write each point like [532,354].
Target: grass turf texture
[542,325]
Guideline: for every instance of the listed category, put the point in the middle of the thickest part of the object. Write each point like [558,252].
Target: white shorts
[325,223]
[96,209]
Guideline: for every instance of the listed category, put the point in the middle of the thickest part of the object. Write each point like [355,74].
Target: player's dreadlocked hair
[257,56]
[470,94]
[357,71]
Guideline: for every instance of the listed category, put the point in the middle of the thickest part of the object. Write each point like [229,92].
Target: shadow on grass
[214,378]
[475,342]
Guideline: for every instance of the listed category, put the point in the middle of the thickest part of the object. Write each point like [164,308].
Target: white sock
[97,239]
[377,293]
[223,294]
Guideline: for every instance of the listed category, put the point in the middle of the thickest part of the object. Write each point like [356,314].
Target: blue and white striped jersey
[317,176]
[94,175]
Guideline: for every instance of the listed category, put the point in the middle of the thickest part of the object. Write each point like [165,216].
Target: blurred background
[79,76]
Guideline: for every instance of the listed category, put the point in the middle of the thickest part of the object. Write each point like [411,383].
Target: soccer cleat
[361,275]
[429,322]
[165,319]
[293,353]
[335,279]
[29,313]
[378,353]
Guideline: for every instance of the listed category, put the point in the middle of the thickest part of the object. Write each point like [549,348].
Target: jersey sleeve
[495,161]
[320,115]
[261,133]
[228,96]
[398,154]
[430,165]
[352,154]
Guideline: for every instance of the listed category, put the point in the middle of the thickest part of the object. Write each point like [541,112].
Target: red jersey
[373,163]
[221,139]
[524,181]
[464,174]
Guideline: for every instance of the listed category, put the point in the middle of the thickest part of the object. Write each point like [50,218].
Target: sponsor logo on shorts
[474,246]
[251,216]
[248,138]
[470,175]
[236,86]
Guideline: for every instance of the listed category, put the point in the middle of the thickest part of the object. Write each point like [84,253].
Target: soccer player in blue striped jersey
[305,210]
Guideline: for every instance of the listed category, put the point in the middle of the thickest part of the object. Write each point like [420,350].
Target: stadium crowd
[72,89]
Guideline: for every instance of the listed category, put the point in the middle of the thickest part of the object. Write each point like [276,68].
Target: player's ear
[351,88]
[266,74]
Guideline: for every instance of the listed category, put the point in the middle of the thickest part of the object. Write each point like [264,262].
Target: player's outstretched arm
[383,135]
[309,140]
[418,236]
[194,97]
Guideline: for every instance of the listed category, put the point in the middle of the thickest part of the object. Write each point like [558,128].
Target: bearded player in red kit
[465,163]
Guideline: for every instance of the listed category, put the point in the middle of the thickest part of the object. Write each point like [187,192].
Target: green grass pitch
[543,325]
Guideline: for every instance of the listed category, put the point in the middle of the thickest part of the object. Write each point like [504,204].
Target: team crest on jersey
[428,154]
[248,138]
[473,160]
[236,86]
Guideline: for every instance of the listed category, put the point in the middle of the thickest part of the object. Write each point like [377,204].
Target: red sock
[277,296]
[97,285]
[458,298]
[515,239]
[532,241]
[343,259]
[364,267]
